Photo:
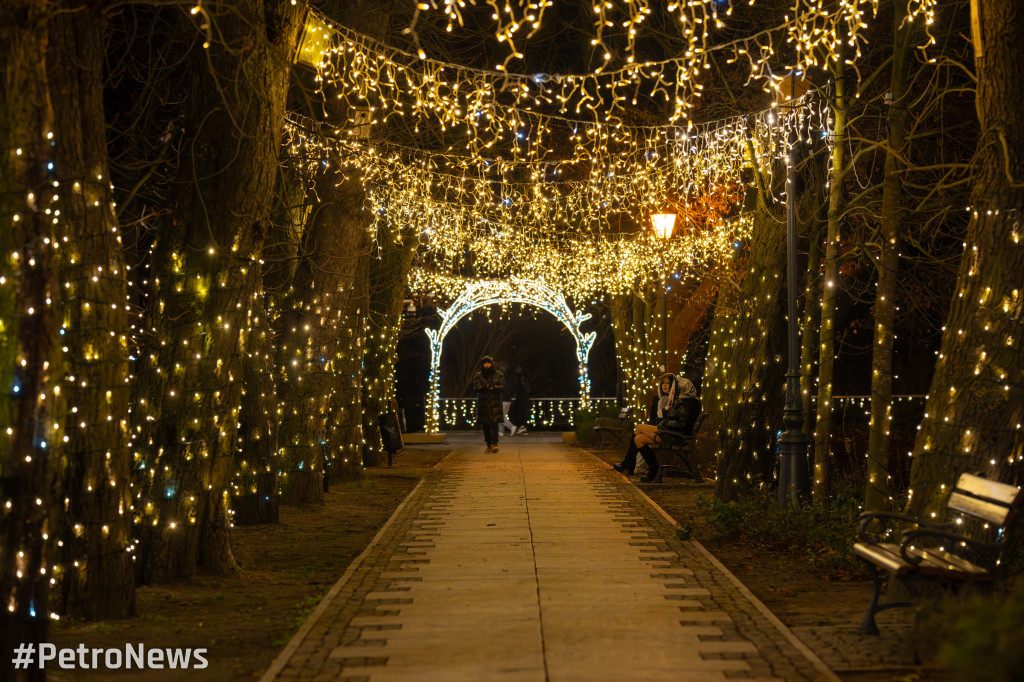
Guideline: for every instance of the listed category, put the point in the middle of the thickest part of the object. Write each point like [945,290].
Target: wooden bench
[966,550]
[675,452]
[618,428]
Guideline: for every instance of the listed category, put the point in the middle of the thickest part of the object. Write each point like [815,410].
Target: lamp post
[663,224]
[794,483]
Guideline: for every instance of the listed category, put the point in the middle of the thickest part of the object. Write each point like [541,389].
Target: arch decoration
[482,293]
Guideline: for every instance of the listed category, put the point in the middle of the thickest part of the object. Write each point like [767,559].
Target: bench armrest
[609,423]
[866,519]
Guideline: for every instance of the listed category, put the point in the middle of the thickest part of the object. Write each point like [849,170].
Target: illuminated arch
[482,293]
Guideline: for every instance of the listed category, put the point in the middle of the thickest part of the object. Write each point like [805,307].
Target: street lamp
[663,224]
[794,482]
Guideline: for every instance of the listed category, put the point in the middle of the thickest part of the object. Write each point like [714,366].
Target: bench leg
[868,626]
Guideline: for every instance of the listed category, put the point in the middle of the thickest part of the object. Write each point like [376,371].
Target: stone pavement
[537,563]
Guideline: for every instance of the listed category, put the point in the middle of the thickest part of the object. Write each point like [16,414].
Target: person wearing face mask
[488,383]
[675,395]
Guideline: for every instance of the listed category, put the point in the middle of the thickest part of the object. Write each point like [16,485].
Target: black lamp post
[663,224]
[794,482]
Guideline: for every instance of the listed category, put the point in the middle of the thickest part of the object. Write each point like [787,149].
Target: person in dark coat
[676,400]
[519,413]
[488,383]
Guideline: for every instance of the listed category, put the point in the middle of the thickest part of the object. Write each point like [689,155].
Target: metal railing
[558,414]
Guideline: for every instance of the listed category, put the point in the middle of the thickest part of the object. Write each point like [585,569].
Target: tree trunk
[876,492]
[311,337]
[812,293]
[388,274]
[826,348]
[98,578]
[206,276]
[685,320]
[256,487]
[628,313]
[345,434]
[744,375]
[30,358]
[975,406]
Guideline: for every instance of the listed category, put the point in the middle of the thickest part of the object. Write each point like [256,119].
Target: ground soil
[244,620]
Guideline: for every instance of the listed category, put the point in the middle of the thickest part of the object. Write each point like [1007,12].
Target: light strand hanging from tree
[814,24]
[486,107]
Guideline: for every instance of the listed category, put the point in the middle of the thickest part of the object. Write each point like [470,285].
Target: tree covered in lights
[199,312]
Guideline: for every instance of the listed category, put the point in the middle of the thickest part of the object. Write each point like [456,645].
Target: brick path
[537,563]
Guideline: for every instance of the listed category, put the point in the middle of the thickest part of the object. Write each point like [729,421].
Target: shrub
[821,536]
[986,639]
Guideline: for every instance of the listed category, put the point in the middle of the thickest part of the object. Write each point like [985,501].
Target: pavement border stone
[762,611]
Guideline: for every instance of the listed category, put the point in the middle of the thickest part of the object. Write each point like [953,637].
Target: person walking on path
[676,396]
[506,405]
[519,413]
[488,383]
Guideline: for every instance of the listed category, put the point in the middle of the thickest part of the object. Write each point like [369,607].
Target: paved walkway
[535,564]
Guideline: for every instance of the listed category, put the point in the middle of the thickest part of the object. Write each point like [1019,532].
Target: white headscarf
[680,388]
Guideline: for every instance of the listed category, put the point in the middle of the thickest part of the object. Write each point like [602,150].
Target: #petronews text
[134,656]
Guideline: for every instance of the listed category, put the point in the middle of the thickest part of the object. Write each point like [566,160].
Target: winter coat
[488,405]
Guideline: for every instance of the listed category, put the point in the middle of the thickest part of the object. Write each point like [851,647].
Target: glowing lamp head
[663,224]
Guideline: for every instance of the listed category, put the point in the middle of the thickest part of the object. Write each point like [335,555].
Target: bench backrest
[989,501]
[624,412]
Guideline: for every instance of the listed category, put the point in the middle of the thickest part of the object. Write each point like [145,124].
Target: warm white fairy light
[483,293]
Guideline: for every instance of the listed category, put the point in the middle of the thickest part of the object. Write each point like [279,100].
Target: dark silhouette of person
[488,383]
[519,413]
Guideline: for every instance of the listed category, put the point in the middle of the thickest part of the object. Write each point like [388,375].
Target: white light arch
[482,293]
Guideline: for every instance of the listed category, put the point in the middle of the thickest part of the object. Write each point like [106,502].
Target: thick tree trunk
[686,318]
[743,377]
[311,337]
[345,434]
[388,274]
[98,579]
[975,406]
[826,348]
[206,276]
[629,316]
[30,358]
[256,487]
[876,492]
[812,307]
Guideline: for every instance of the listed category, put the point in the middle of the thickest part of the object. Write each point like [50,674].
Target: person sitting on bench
[674,401]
